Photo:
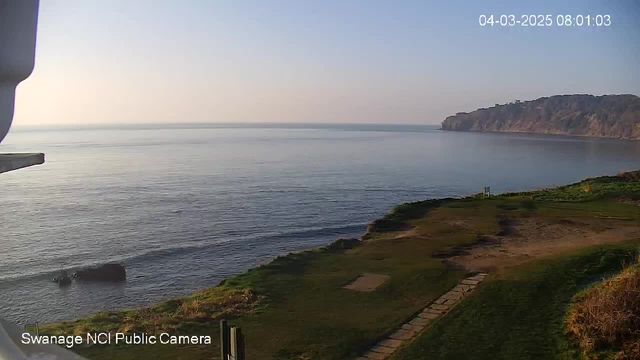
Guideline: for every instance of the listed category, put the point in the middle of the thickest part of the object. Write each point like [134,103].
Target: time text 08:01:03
[545,20]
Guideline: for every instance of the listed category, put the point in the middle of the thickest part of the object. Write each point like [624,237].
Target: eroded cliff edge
[608,116]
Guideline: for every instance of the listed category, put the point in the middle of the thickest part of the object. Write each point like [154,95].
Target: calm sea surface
[185,207]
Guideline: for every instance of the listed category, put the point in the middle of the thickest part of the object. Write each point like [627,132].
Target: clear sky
[356,61]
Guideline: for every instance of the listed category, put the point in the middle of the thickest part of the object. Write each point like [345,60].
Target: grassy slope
[305,310]
[304,313]
[605,318]
[521,315]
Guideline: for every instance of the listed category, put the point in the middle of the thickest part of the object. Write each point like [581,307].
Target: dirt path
[528,239]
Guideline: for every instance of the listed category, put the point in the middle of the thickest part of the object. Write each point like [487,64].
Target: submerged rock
[63,279]
[106,272]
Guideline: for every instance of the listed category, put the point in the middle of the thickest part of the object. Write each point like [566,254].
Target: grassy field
[296,308]
[520,315]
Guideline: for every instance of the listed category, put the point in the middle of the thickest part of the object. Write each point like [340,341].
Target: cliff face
[610,116]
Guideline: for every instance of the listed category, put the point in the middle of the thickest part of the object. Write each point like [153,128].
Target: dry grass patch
[172,315]
[605,319]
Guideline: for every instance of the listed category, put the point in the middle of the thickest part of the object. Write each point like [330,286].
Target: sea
[183,207]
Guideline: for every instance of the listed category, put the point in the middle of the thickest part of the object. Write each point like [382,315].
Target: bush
[606,317]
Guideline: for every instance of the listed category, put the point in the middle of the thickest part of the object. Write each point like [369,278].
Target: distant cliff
[610,116]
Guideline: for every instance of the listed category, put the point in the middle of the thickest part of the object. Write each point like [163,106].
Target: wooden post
[233,351]
[231,342]
[224,340]
[240,342]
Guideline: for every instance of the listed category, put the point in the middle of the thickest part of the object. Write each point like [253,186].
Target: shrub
[606,317]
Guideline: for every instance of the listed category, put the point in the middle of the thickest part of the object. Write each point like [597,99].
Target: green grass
[297,308]
[624,185]
[398,218]
[519,316]
[305,311]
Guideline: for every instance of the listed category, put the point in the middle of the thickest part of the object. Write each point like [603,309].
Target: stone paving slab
[440,301]
[413,327]
[375,355]
[383,349]
[469,282]
[419,321]
[438,307]
[428,316]
[402,334]
[432,311]
[392,343]
[452,295]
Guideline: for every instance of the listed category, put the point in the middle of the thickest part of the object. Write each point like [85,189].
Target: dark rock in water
[106,272]
[63,279]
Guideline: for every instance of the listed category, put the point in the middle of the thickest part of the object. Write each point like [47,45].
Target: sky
[324,61]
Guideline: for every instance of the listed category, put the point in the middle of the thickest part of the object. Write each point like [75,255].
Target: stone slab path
[439,307]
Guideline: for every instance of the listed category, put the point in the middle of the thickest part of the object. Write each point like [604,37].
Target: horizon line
[213,124]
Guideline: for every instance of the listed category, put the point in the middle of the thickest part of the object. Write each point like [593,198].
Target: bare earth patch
[628,201]
[367,282]
[533,238]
